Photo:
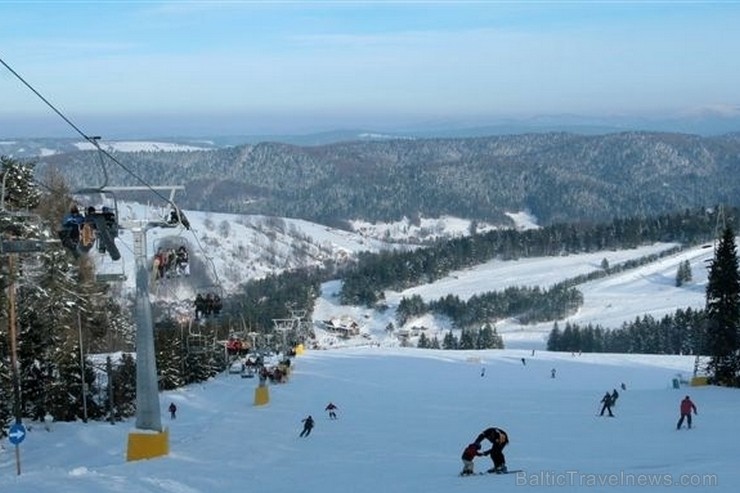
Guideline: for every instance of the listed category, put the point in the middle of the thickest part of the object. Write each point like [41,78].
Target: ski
[510,471]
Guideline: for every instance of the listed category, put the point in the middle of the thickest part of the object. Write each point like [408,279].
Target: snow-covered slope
[229,249]
[404,417]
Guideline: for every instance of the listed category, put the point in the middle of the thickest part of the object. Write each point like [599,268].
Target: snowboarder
[471,452]
[687,406]
[173,410]
[524,362]
[499,439]
[624,387]
[607,400]
[307,426]
[331,408]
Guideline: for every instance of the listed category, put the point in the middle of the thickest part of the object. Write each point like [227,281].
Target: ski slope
[404,417]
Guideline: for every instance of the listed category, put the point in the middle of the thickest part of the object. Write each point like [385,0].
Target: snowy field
[404,417]
[236,248]
[610,301]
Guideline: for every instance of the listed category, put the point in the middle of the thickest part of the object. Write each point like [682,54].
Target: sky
[258,67]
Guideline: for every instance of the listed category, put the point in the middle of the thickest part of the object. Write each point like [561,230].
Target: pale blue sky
[282,66]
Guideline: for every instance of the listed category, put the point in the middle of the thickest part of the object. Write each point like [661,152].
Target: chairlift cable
[102,152]
[91,140]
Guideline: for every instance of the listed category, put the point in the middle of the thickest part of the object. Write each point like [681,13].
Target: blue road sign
[16,433]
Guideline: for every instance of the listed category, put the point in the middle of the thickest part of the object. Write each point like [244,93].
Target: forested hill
[557,176]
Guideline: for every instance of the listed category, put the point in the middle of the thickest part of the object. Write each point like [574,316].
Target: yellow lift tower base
[148,445]
[261,395]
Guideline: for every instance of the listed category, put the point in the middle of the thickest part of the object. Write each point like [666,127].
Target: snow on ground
[236,248]
[140,146]
[523,220]
[426,229]
[610,301]
[405,416]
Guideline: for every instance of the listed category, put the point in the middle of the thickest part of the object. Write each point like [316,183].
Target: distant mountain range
[382,178]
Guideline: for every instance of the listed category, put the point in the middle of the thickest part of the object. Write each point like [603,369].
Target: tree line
[558,177]
[713,331]
[374,273]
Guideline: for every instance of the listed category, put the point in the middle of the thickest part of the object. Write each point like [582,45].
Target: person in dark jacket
[471,452]
[499,439]
[332,410]
[687,406]
[173,410]
[607,401]
[615,396]
[307,426]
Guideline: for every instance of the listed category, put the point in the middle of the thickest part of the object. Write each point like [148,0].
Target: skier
[499,439]
[307,426]
[173,410]
[331,407]
[615,396]
[471,452]
[552,373]
[524,362]
[687,406]
[607,400]
[70,231]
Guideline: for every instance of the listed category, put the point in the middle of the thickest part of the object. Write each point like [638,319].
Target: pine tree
[434,343]
[423,342]
[468,339]
[169,354]
[683,275]
[449,341]
[124,387]
[723,312]
[497,342]
[553,341]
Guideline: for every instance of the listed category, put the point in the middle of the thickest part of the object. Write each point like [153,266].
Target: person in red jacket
[471,452]
[687,406]
[499,439]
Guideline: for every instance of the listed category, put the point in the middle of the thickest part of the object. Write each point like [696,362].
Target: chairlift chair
[110,272]
[196,341]
[98,226]
[207,293]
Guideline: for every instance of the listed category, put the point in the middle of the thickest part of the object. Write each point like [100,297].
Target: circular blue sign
[17,433]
